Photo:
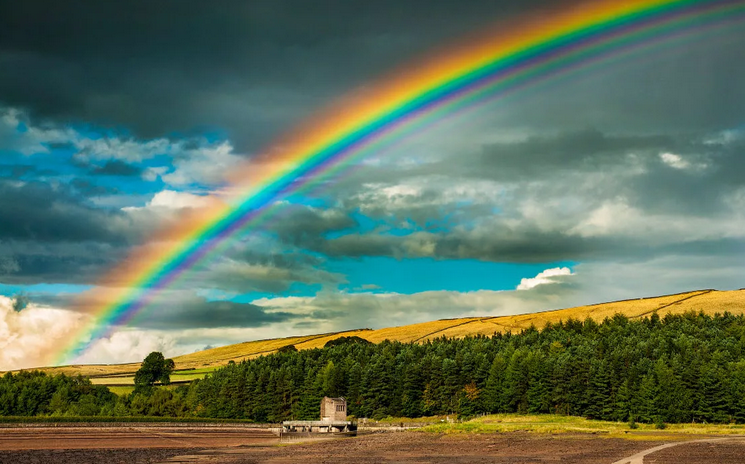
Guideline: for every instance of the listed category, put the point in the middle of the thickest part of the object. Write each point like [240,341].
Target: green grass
[410,420]
[121,390]
[190,376]
[119,382]
[549,423]
[203,370]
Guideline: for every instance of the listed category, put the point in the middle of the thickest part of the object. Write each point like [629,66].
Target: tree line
[681,368]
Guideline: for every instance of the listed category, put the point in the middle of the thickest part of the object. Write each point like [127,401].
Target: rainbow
[519,54]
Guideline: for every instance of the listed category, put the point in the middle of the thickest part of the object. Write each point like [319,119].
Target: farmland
[196,365]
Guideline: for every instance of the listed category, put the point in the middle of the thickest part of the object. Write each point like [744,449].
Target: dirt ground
[134,445]
[513,448]
[123,444]
[728,452]
[92,456]
[418,447]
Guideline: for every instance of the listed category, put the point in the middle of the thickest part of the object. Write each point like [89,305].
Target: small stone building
[333,409]
[333,423]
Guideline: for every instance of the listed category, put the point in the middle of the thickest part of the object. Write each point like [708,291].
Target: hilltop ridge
[196,365]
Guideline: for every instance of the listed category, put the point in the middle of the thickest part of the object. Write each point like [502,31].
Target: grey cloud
[180,66]
[36,211]
[89,189]
[116,168]
[498,243]
[260,276]
[345,311]
[543,194]
[16,170]
[28,263]
[8,265]
[200,313]
[300,225]
[588,150]
[182,309]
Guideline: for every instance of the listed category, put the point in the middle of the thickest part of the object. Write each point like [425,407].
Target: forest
[680,368]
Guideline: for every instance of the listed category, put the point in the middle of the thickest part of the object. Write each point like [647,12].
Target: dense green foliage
[678,369]
[345,341]
[155,368]
[35,393]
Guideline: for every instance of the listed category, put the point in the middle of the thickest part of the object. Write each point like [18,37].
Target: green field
[549,423]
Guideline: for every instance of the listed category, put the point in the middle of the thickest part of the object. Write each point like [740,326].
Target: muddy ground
[132,445]
[419,447]
[725,452]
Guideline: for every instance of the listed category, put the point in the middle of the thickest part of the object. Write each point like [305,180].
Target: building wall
[333,409]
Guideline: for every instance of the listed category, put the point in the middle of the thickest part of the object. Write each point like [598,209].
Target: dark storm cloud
[273,271]
[250,68]
[116,168]
[527,244]
[24,263]
[667,182]
[302,225]
[16,170]
[179,310]
[587,150]
[51,234]
[88,188]
[35,211]
[199,313]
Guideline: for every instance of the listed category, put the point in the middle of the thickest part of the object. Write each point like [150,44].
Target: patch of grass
[550,423]
[121,390]
[410,420]
[178,376]
[203,370]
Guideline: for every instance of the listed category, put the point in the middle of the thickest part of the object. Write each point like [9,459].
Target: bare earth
[122,444]
[241,445]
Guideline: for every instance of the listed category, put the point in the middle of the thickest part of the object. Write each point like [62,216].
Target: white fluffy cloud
[128,346]
[673,160]
[17,134]
[326,312]
[549,276]
[196,160]
[29,337]
[177,200]
[206,164]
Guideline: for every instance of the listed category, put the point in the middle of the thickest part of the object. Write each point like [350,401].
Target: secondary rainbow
[534,48]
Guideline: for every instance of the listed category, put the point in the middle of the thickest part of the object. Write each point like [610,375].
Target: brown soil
[123,444]
[418,447]
[725,452]
[92,456]
[242,445]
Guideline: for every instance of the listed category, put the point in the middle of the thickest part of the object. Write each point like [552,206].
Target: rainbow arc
[517,56]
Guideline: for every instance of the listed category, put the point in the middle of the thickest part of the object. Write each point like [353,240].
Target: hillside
[196,365]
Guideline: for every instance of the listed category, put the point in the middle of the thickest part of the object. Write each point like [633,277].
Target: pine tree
[493,397]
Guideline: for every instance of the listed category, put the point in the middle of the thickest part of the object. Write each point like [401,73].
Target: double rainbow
[532,49]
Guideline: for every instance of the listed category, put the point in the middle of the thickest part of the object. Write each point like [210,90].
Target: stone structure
[333,409]
[333,421]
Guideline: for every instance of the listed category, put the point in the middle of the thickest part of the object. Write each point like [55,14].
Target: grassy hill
[196,365]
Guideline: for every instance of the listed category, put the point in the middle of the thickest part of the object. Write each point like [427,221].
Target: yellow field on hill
[197,364]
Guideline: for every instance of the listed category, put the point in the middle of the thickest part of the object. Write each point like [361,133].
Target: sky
[118,119]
